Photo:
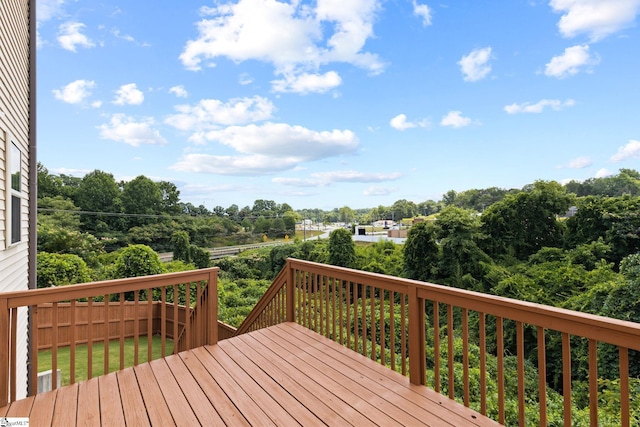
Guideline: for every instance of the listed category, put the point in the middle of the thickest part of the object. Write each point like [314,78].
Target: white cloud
[596,18]
[422,11]
[475,65]
[570,62]
[245,79]
[379,191]
[233,165]
[281,139]
[268,148]
[333,31]
[211,113]
[299,182]
[629,151]
[455,119]
[129,94]
[179,91]
[539,106]
[47,9]
[400,122]
[70,36]
[603,173]
[75,92]
[126,37]
[126,129]
[355,176]
[307,83]
[579,163]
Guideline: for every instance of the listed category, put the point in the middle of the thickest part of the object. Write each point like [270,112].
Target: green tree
[61,269]
[170,198]
[180,242]
[421,253]
[523,223]
[342,249]
[141,196]
[458,231]
[137,260]
[99,192]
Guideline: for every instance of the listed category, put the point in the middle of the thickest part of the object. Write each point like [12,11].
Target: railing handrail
[68,292]
[278,282]
[604,329]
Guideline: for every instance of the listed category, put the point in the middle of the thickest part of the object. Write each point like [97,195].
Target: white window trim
[10,192]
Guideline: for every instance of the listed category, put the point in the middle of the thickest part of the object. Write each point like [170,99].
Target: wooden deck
[282,375]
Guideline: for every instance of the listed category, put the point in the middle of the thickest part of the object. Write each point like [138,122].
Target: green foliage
[421,253]
[342,251]
[61,269]
[199,256]
[137,260]
[458,231]
[180,242]
[523,223]
[237,298]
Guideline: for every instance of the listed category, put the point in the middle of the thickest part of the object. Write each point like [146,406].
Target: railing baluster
[355,318]
[54,346]
[149,323]
[383,343]
[89,338]
[542,376]
[107,333]
[363,304]
[136,327]
[624,386]
[520,356]
[121,330]
[348,307]
[5,342]
[566,378]
[163,321]
[450,353]
[72,344]
[372,292]
[483,363]
[436,346]
[340,313]
[327,306]
[320,312]
[500,349]
[33,388]
[315,289]
[403,343]
[593,382]
[392,329]
[333,308]
[465,355]
[176,316]
[187,314]
[372,308]
[14,354]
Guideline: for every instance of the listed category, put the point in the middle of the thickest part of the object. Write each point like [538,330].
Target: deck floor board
[282,375]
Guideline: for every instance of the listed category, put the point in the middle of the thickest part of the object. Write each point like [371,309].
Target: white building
[18,171]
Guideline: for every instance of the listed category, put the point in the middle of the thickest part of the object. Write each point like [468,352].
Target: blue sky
[331,103]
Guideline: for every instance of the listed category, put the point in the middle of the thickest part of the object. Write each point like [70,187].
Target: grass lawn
[64,357]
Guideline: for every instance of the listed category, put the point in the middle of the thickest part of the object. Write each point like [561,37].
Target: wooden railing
[438,335]
[109,320]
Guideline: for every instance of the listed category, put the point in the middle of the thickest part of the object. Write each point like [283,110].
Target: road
[216,253]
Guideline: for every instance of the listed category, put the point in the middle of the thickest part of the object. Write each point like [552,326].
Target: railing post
[290,293]
[4,352]
[212,307]
[417,351]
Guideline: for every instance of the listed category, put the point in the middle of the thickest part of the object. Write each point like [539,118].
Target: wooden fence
[102,315]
